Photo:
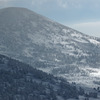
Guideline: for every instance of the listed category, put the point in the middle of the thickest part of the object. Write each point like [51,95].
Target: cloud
[90,28]
[78,3]
[69,3]
[60,3]
[5,0]
[38,2]
[5,3]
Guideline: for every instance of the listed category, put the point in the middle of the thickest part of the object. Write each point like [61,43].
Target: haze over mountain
[50,46]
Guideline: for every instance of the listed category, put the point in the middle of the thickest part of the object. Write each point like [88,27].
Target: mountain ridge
[46,18]
[52,47]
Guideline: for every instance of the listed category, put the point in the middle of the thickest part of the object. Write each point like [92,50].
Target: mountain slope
[48,45]
[19,81]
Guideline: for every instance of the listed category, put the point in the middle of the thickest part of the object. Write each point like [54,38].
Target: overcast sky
[83,15]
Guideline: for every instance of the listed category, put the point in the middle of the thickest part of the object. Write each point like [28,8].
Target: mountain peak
[15,9]
[16,15]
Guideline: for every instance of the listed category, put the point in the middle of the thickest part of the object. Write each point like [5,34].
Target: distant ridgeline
[19,81]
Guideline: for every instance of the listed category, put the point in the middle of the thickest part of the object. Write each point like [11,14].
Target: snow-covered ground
[32,38]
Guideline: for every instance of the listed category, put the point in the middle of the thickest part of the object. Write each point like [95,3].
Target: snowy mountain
[50,46]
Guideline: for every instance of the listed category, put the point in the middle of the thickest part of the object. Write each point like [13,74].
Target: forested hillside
[19,81]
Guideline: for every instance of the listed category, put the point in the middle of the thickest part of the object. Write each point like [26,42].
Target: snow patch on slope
[27,52]
[94,41]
